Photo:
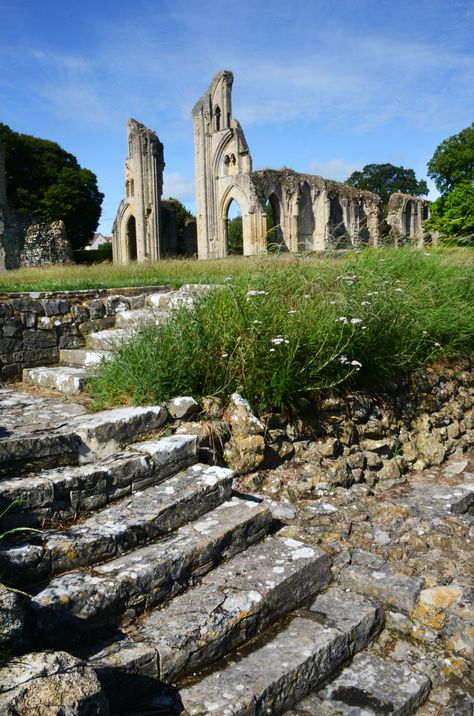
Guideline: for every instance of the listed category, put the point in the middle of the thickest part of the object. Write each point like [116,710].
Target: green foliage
[386,179]
[453,215]
[44,179]
[235,236]
[183,215]
[295,329]
[453,161]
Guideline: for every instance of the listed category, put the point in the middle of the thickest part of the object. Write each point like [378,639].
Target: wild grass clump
[286,332]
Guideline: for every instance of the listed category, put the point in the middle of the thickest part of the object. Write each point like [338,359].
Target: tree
[183,215]
[235,237]
[453,161]
[453,214]
[45,180]
[386,179]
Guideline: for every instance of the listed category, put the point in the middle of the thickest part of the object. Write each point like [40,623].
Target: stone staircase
[76,364]
[181,595]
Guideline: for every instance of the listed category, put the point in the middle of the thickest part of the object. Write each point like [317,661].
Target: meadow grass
[284,331]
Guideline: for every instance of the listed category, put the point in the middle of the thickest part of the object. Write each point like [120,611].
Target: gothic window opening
[234,230]
[217,115]
[131,236]
[275,240]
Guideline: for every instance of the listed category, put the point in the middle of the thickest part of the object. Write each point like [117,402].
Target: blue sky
[322,87]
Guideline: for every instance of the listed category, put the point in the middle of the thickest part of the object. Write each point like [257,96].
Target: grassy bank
[283,331]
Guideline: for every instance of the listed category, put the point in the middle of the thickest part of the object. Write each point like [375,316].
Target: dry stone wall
[35,326]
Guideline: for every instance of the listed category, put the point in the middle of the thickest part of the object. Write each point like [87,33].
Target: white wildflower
[257,293]
[224,355]
[292,311]
[272,350]
[279,339]
[363,328]
[365,303]
[306,295]
[343,319]
[373,293]
[257,323]
[399,290]
[356,363]
[332,303]
[343,359]
[356,320]
[438,345]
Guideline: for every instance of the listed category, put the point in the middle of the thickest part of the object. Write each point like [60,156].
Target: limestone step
[370,685]
[279,670]
[64,493]
[75,604]
[80,439]
[83,357]
[135,520]
[64,379]
[107,340]
[188,624]
[139,318]
[233,603]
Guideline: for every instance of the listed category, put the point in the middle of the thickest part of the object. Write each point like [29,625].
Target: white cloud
[336,169]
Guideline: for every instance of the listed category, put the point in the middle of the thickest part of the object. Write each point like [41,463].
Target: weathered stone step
[282,669]
[83,357]
[136,520]
[133,320]
[107,340]
[82,438]
[441,499]
[232,603]
[80,601]
[351,621]
[370,685]
[65,379]
[65,493]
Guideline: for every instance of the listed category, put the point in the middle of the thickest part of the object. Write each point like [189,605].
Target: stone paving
[187,592]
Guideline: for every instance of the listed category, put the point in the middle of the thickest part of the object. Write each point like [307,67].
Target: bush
[283,335]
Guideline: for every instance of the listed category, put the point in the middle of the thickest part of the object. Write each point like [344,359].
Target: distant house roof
[98,240]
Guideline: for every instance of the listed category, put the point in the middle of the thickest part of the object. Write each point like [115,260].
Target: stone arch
[274,215]
[407,219]
[338,235]
[305,225]
[131,238]
[235,193]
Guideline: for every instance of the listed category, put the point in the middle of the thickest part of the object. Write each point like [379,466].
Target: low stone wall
[358,437]
[35,326]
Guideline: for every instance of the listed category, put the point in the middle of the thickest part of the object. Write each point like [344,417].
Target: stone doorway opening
[275,239]
[132,238]
[234,230]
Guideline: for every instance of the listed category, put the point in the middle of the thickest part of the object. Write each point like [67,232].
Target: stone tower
[223,167]
[136,230]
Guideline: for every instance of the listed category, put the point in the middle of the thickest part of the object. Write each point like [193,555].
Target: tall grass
[289,330]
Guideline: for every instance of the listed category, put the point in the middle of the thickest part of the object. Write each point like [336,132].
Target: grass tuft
[287,330]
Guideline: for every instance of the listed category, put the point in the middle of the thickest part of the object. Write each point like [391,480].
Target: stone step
[136,319]
[65,493]
[370,685]
[135,520]
[280,670]
[80,439]
[108,340]
[233,603]
[64,379]
[125,666]
[83,357]
[75,604]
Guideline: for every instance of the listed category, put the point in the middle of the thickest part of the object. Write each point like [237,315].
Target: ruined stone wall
[35,326]
[136,233]
[405,217]
[46,243]
[310,213]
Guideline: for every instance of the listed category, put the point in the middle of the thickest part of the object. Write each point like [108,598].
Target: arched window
[217,114]
[131,236]
[127,188]
[234,229]
[132,187]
